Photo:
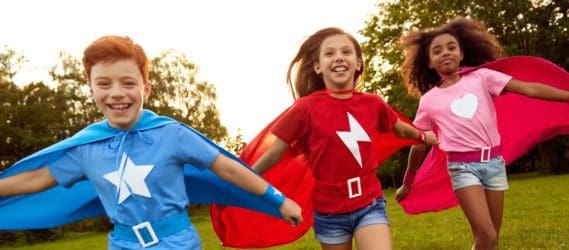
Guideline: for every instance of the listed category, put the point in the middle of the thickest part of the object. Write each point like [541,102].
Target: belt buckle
[358,182]
[145,225]
[485,154]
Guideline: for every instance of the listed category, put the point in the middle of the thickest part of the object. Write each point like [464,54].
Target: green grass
[535,217]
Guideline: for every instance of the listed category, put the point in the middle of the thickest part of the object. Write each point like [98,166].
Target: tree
[10,62]
[27,112]
[536,27]
[178,94]
[8,102]
[235,144]
[72,94]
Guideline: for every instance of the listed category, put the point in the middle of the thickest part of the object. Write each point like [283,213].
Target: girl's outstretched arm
[404,130]
[537,90]
[416,155]
[271,156]
[27,182]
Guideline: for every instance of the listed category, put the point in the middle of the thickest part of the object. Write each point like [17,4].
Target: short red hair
[114,48]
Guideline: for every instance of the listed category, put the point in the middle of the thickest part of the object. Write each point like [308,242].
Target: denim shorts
[339,228]
[490,175]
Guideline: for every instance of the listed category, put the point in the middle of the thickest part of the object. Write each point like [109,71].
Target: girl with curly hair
[457,100]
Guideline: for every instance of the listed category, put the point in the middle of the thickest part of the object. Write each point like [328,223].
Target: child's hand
[431,138]
[291,212]
[402,192]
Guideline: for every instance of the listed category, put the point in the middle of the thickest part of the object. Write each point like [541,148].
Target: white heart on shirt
[465,107]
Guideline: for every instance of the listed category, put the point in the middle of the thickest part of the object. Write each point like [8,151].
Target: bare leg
[475,206]
[373,237]
[496,207]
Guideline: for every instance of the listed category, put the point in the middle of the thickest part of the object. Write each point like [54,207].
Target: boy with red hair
[135,160]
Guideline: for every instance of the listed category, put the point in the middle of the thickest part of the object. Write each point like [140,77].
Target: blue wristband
[274,197]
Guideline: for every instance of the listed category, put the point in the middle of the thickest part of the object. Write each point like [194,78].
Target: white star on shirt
[132,179]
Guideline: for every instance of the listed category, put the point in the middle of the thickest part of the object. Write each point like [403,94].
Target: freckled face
[119,91]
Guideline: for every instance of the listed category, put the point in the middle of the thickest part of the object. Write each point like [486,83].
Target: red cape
[237,227]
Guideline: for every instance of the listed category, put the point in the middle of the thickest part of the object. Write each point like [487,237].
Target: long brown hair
[477,44]
[306,80]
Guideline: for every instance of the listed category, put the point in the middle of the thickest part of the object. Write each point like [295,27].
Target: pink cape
[432,190]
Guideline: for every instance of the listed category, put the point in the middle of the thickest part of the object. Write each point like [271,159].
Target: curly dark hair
[477,44]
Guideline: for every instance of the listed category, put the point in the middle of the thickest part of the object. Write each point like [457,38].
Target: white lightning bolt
[351,138]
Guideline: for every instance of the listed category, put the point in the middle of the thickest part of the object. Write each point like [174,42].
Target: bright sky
[242,47]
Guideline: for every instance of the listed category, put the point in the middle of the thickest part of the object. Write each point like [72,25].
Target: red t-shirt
[336,135]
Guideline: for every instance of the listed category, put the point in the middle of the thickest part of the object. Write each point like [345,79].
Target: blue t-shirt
[147,165]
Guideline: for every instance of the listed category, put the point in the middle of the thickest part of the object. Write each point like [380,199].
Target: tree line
[37,115]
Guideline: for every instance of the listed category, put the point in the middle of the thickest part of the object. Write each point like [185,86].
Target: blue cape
[59,205]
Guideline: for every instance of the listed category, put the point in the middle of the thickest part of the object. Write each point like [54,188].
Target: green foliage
[10,62]
[8,105]
[235,144]
[34,113]
[537,27]
[27,113]
[177,93]
[73,94]
[390,173]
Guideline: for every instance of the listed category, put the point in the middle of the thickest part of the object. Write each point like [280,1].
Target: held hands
[291,212]
[402,192]
[430,138]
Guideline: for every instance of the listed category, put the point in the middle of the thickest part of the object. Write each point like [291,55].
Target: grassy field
[536,217]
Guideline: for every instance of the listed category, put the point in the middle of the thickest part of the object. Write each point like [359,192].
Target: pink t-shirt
[464,113]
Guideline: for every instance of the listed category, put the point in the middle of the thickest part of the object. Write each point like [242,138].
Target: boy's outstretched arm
[416,155]
[232,171]
[27,182]
[537,90]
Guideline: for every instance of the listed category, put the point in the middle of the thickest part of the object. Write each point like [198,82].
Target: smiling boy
[136,159]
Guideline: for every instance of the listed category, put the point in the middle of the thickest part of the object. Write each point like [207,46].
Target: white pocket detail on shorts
[455,167]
